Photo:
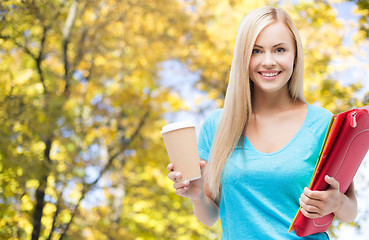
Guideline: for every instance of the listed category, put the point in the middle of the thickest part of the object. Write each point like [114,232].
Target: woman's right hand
[189,189]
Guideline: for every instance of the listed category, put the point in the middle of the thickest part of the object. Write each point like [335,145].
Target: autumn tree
[81,100]
[82,105]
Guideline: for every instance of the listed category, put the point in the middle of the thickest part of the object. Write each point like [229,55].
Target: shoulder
[207,133]
[318,120]
[318,114]
[215,113]
[213,117]
[319,110]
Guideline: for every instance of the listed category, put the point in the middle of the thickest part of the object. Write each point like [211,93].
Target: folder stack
[345,146]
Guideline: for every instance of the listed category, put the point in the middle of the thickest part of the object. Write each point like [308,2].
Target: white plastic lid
[177,125]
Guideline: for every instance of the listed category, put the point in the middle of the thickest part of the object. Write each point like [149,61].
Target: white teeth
[269,74]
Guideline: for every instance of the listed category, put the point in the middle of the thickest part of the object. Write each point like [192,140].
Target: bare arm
[205,209]
[348,210]
[316,204]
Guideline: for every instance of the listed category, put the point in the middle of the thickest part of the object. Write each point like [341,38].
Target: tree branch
[40,57]
[73,213]
[57,211]
[66,37]
[25,48]
[88,187]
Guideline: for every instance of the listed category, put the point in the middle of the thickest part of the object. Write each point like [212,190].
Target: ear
[295,59]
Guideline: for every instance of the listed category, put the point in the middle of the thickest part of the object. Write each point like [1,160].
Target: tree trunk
[37,215]
[40,195]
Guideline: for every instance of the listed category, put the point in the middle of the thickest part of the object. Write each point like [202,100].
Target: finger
[308,214]
[170,167]
[332,182]
[317,195]
[202,167]
[180,191]
[309,208]
[310,201]
[175,176]
[202,164]
[172,176]
[183,184]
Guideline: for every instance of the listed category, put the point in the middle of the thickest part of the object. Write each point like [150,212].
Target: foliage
[80,99]
[363,11]
[82,105]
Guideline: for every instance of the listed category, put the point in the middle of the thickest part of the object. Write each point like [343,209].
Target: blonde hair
[238,102]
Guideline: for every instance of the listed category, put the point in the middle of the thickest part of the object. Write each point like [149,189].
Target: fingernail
[186,182]
[178,175]
[185,188]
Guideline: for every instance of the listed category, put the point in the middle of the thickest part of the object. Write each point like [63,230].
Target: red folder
[345,146]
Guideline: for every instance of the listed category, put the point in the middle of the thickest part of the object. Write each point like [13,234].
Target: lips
[269,74]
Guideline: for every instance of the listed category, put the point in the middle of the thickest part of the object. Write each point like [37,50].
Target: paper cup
[181,143]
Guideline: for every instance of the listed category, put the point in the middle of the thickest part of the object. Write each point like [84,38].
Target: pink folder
[345,146]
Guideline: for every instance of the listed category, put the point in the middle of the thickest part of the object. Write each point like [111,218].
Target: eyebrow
[273,46]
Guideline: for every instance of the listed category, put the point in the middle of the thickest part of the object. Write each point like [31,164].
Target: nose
[268,61]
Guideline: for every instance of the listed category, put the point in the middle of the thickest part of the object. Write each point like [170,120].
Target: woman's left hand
[316,204]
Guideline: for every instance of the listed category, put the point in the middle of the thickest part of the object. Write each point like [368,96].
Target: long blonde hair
[238,102]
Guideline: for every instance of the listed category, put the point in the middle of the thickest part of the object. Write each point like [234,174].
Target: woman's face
[272,59]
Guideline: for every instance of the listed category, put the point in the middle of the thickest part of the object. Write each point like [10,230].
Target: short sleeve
[207,132]
[319,123]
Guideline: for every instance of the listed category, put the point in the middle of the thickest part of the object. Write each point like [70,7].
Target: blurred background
[86,86]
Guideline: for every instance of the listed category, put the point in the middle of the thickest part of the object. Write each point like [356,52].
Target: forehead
[274,34]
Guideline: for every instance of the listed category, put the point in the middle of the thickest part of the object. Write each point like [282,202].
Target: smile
[269,74]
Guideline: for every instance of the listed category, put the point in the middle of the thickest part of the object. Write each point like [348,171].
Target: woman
[260,150]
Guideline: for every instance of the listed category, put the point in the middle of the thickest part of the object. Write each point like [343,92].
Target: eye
[280,50]
[256,51]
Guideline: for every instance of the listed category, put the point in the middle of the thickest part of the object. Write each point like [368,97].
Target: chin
[273,89]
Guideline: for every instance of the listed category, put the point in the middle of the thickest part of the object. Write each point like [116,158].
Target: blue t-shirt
[260,191]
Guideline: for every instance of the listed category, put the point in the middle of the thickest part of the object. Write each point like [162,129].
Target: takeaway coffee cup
[180,141]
